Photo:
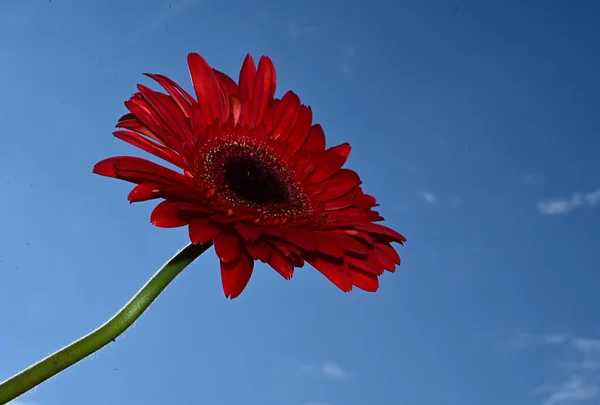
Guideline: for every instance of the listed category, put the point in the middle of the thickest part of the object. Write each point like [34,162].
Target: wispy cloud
[524,340]
[329,370]
[576,388]
[555,339]
[445,201]
[534,179]
[307,368]
[348,53]
[333,370]
[579,376]
[315,403]
[428,197]
[562,206]
[590,349]
[296,29]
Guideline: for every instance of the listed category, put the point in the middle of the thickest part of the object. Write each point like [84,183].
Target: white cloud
[590,349]
[555,339]
[315,403]
[296,29]
[428,197]
[576,388]
[518,342]
[333,370]
[348,53]
[306,368]
[524,340]
[561,206]
[347,69]
[587,344]
[534,179]
[593,197]
[329,370]
[555,207]
[579,376]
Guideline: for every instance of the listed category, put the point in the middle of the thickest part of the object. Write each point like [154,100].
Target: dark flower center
[251,175]
[252,180]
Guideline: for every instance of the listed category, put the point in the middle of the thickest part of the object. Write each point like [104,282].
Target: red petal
[286,114]
[336,272]
[342,183]
[335,244]
[138,170]
[370,263]
[304,168]
[235,275]
[144,192]
[248,232]
[364,237]
[151,119]
[260,251]
[344,176]
[228,247]
[336,195]
[183,99]
[336,205]
[315,141]
[364,200]
[236,108]
[328,243]
[365,281]
[329,162]
[287,249]
[197,121]
[202,230]
[387,263]
[351,245]
[165,215]
[151,147]
[230,86]
[208,90]
[166,111]
[299,237]
[353,215]
[263,91]
[246,85]
[188,210]
[223,219]
[382,231]
[281,264]
[388,251]
[301,129]
[137,126]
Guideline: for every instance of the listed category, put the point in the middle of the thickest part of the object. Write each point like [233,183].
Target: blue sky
[475,124]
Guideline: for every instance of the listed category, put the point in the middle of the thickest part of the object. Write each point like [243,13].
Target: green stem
[115,326]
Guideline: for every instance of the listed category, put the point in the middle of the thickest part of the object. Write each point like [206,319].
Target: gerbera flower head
[254,176]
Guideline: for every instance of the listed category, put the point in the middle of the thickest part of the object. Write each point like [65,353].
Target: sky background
[474,123]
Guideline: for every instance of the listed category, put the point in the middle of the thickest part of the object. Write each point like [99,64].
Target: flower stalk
[108,332]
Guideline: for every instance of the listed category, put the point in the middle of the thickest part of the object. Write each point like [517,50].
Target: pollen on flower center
[250,175]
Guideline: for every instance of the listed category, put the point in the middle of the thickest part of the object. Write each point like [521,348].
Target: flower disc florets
[249,174]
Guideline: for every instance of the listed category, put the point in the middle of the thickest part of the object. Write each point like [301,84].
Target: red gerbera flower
[255,178]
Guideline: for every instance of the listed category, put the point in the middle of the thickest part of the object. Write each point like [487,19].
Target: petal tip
[105,167]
